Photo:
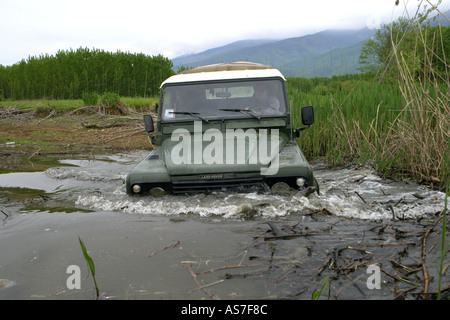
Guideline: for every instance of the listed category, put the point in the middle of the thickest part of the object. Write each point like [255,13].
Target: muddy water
[225,246]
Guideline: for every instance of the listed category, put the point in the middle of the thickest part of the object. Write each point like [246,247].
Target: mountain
[338,61]
[440,19]
[290,55]
[322,54]
[192,59]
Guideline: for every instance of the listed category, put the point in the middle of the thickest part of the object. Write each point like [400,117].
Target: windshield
[219,100]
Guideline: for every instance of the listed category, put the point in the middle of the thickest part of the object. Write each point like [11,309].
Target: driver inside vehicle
[264,102]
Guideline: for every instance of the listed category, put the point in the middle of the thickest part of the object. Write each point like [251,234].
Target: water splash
[349,192]
[360,194]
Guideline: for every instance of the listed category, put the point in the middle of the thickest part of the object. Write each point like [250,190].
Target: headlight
[300,182]
[136,188]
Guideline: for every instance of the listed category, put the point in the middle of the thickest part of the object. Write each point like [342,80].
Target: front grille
[207,186]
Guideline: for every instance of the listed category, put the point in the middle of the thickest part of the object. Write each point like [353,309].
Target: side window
[168,104]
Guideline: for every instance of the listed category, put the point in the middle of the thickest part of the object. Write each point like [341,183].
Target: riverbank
[85,127]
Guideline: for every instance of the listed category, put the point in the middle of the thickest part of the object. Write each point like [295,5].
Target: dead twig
[50,115]
[203,288]
[230,267]
[389,244]
[328,212]
[406,269]
[165,248]
[424,255]
[361,197]
[361,179]
[349,267]
[284,237]
[277,231]
[208,285]
[399,278]
[35,153]
[424,267]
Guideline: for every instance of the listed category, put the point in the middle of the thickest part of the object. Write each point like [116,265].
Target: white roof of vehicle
[225,71]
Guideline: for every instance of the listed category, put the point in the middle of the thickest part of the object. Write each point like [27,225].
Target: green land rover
[223,127]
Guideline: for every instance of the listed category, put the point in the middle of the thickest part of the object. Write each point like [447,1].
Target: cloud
[171,27]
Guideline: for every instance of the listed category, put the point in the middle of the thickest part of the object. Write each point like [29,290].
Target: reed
[317,293]
[90,264]
[420,133]
[402,129]
[345,110]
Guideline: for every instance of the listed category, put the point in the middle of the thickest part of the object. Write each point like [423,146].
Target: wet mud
[362,237]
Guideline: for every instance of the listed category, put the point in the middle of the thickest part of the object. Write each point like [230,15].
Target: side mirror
[307,115]
[148,123]
[307,119]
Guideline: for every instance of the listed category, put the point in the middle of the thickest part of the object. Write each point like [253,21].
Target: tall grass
[420,134]
[403,129]
[345,109]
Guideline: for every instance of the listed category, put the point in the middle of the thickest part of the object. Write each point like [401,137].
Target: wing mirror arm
[297,131]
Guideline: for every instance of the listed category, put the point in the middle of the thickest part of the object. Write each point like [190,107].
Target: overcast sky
[173,27]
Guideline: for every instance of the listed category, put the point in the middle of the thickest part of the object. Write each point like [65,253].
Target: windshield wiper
[192,114]
[250,112]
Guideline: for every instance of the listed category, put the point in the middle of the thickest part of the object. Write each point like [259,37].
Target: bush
[110,99]
[90,98]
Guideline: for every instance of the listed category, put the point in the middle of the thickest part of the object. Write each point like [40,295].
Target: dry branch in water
[173,245]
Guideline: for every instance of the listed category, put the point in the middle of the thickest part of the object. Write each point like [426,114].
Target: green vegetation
[416,42]
[20,194]
[395,117]
[317,293]
[62,105]
[71,73]
[90,98]
[110,99]
[68,105]
[90,264]
[342,106]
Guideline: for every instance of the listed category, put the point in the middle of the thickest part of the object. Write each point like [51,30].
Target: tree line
[420,46]
[71,73]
